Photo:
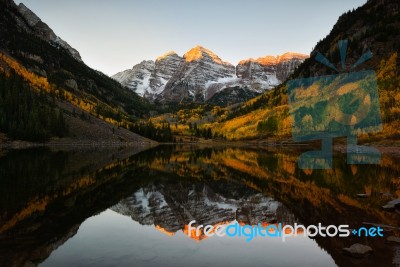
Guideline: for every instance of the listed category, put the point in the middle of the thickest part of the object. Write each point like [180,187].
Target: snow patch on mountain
[137,78]
[232,80]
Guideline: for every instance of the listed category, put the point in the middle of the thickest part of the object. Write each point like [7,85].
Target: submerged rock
[358,250]
[391,205]
[394,239]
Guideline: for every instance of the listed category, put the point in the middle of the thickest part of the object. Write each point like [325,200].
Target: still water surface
[129,208]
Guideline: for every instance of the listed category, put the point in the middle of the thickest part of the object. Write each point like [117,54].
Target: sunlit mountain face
[201,76]
[158,192]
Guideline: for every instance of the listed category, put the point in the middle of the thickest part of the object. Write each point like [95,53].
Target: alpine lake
[128,207]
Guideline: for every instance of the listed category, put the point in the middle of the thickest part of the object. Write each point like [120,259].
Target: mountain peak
[199,52]
[145,64]
[43,31]
[273,60]
[28,14]
[166,55]
[291,55]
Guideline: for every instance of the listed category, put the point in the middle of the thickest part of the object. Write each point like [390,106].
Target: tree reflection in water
[45,195]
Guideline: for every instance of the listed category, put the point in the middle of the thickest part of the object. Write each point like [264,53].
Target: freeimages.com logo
[341,105]
[278,230]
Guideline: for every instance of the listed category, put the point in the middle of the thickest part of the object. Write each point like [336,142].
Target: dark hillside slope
[62,86]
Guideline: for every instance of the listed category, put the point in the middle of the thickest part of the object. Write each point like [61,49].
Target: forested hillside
[44,85]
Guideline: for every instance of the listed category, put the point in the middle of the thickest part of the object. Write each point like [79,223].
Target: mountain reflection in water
[48,201]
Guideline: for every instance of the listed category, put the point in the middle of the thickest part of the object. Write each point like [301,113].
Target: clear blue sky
[112,36]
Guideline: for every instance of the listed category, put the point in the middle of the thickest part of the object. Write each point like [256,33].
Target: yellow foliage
[388,68]
[308,92]
[39,83]
[36,81]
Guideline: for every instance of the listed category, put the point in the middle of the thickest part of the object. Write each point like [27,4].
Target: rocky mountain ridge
[149,77]
[281,66]
[201,76]
[42,30]
[201,68]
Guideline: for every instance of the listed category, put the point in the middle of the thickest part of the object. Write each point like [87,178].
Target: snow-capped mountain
[201,76]
[149,78]
[42,30]
[200,68]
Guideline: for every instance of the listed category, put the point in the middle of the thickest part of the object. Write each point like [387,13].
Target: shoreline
[14,145]
[385,148]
